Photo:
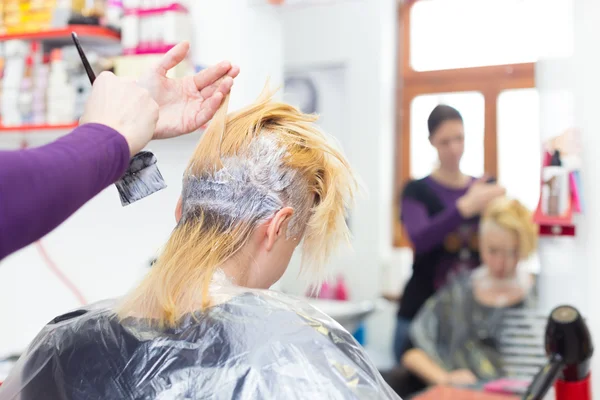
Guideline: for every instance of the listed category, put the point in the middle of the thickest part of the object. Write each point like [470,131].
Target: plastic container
[61,96]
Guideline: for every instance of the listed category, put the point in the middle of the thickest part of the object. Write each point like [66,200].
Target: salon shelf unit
[88,35]
[104,41]
[142,12]
[147,31]
[38,128]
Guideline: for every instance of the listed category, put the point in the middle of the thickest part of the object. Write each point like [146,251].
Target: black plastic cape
[254,345]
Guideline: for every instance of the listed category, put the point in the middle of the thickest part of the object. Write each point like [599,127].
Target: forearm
[427,233]
[420,364]
[42,187]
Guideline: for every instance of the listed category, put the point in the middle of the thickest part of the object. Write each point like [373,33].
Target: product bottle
[61,94]
[326,292]
[555,189]
[114,14]
[341,292]
[26,93]
[40,85]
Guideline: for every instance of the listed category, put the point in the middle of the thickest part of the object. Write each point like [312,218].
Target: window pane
[471,33]
[519,145]
[423,157]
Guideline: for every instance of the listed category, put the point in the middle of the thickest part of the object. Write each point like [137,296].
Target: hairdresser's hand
[479,195]
[124,106]
[461,377]
[186,104]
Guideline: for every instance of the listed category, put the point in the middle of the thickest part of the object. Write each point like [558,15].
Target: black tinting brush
[143,177]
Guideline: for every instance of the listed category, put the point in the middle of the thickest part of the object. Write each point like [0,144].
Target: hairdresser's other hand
[461,377]
[479,195]
[186,104]
[124,106]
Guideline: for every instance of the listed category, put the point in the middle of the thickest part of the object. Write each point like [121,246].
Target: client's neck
[179,281]
[236,274]
[240,269]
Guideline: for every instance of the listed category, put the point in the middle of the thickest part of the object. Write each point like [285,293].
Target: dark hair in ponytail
[441,114]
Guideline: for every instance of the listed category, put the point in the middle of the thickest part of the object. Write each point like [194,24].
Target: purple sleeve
[426,233]
[42,187]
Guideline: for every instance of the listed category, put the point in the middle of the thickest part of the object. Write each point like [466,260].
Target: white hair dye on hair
[251,186]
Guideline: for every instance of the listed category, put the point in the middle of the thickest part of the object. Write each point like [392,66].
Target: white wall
[587,87]
[360,36]
[569,90]
[104,248]
[250,36]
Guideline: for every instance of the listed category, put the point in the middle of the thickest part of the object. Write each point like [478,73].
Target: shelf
[144,12]
[138,51]
[88,34]
[37,128]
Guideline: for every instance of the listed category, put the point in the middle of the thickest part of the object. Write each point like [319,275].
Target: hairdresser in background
[441,216]
[42,187]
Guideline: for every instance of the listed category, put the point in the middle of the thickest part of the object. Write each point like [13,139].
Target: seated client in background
[203,324]
[454,338]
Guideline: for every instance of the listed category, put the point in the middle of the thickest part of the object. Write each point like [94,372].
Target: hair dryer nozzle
[568,337]
[569,348]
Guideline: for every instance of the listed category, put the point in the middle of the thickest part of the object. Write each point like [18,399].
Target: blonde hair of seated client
[268,169]
[511,215]
[508,236]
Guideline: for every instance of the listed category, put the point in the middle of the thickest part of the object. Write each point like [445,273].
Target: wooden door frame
[491,81]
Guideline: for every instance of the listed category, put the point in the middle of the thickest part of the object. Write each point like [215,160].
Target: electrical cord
[59,274]
[50,264]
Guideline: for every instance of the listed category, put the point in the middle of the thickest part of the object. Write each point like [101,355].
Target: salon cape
[254,345]
[458,332]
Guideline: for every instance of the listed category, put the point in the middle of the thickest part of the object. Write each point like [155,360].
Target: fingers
[223,85]
[210,75]
[209,108]
[173,57]
[234,71]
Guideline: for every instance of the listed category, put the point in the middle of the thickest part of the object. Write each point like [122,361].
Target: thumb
[173,57]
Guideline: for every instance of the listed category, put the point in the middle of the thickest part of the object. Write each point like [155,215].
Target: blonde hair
[513,216]
[246,167]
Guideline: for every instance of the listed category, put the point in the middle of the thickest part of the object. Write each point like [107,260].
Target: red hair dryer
[569,349]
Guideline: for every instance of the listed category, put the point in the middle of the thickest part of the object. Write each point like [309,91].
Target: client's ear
[278,226]
[178,210]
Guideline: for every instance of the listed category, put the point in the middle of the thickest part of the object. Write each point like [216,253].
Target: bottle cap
[56,55]
[555,161]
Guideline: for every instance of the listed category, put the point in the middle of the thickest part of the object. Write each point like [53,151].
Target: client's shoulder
[71,329]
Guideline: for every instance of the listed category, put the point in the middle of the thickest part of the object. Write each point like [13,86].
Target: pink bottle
[327,292]
[341,292]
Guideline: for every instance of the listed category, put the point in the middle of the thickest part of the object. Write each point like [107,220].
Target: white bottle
[130,32]
[114,14]
[60,97]
[15,52]
[555,187]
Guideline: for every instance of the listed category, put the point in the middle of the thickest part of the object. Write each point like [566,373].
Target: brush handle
[86,64]
[143,177]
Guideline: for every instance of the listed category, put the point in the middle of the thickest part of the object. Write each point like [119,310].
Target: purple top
[42,187]
[457,236]
[426,233]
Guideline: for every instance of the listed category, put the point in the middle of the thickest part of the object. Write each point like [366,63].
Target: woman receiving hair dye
[203,324]
[457,336]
